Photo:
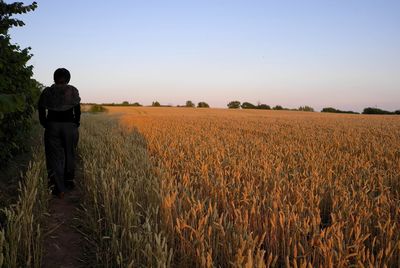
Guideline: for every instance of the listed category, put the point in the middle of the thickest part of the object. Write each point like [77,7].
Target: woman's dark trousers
[60,140]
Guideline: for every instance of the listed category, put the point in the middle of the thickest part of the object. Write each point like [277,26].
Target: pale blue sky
[344,54]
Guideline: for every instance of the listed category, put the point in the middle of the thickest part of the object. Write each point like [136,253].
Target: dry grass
[246,188]
[21,234]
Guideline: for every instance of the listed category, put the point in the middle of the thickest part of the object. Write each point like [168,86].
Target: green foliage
[333,110]
[263,107]
[97,109]
[306,109]
[125,103]
[278,107]
[18,91]
[248,105]
[136,104]
[371,110]
[189,104]
[234,105]
[397,112]
[7,11]
[156,104]
[203,104]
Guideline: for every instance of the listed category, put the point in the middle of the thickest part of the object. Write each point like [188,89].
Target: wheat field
[21,229]
[181,187]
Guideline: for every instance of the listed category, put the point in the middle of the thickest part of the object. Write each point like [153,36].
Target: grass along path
[121,197]
[37,230]
[21,233]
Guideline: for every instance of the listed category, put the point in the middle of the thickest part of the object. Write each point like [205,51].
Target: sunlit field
[186,187]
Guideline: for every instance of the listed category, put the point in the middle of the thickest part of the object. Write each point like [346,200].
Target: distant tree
[156,104]
[397,112]
[262,106]
[137,104]
[248,105]
[234,105]
[277,107]
[203,104]
[306,109]
[96,108]
[333,110]
[371,110]
[189,103]
[329,110]
[125,103]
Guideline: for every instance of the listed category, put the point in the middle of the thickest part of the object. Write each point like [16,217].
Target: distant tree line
[248,105]
[306,109]
[124,103]
[333,110]
[261,106]
[157,104]
[371,110]
[368,110]
[191,104]
[188,103]
[97,108]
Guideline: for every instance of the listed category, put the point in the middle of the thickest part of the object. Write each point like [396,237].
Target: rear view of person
[61,122]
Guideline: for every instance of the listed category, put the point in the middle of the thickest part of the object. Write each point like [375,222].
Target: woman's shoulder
[45,91]
[65,88]
[73,88]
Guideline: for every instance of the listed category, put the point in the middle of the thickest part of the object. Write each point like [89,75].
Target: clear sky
[344,54]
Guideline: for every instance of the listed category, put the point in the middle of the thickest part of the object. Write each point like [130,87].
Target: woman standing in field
[61,123]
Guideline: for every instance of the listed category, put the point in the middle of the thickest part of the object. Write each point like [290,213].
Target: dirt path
[63,244]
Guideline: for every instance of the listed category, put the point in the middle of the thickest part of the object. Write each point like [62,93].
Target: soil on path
[63,244]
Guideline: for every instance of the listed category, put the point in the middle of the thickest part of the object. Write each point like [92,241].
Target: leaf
[10,103]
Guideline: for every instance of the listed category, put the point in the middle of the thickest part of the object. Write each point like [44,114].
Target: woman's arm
[42,116]
[77,114]
[42,112]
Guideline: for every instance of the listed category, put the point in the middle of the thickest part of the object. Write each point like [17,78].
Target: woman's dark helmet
[62,76]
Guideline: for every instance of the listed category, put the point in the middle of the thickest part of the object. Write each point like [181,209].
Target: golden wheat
[246,188]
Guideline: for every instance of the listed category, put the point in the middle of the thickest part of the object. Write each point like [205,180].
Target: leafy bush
[248,105]
[234,105]
[124,103]
[263,107]
[306,109]
[371,110]
[260,106]
[156,104]
[203,104]
[189,103]
[19,92]
[97,109]
[333,110]
[278,107]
